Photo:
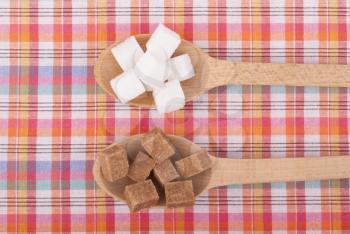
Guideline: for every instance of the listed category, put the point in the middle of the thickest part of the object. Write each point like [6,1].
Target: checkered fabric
[54,117]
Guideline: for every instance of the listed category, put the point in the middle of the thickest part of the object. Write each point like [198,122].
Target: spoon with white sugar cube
[163,57]
[226,171]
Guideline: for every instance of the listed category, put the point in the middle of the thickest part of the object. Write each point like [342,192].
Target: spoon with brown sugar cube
[225,171]
[211,72]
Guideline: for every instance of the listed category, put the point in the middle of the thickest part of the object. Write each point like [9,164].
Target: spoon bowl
[183,147]
[227,171]
[107,68]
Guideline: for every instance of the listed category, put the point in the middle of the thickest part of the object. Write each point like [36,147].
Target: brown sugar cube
[114,162]
[141,167]
[193,164]
[179,193]
[141,195]
[165,172]
[157,145]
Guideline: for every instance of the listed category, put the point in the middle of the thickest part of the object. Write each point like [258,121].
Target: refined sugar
[148,88]
[157,145]
[114,162]
[170,97]
[151,70]
[193,164]
[141,167]
[127,86]
[149,85]
[164,38]
[141,195]
[159,53]
[165,172]
[127,53]
[182,67]
[179,193]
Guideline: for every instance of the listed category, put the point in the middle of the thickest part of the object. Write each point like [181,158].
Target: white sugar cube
[127,86]
[172,74]
[181,68]
[163,38]
[170,97]
[127,53]
[147,87]
[151,70]
[159,53]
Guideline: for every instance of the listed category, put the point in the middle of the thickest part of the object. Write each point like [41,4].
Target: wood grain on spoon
[237,171]
[211,72]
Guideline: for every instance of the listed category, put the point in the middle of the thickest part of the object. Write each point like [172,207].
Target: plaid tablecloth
[54,117]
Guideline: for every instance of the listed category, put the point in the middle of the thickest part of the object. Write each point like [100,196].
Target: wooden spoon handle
[222,72]
[246,171]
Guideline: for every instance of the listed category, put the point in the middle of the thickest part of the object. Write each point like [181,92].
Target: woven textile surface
[54,117]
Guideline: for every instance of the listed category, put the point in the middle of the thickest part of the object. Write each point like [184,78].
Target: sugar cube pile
[156,172]
[153,70]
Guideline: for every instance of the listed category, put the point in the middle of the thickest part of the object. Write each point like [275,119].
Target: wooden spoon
[211,72]
[236,171]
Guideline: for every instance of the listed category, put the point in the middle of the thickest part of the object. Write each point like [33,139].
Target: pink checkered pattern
[54,117]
